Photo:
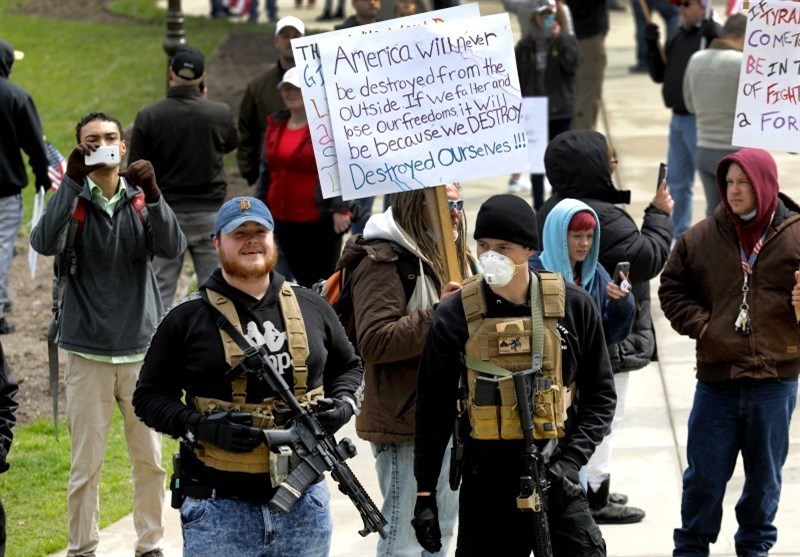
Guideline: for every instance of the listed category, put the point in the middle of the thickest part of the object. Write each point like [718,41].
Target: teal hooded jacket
[617,315]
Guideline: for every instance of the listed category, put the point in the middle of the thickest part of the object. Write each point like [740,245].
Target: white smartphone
[108,155]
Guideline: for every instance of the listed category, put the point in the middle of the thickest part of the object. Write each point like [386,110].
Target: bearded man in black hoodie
[579,165]
[226,478]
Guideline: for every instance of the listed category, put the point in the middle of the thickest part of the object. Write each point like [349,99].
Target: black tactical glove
[333,413]
[426,523]
[141,174]
[229,431]
[564,475]
[652,34]
[76,167]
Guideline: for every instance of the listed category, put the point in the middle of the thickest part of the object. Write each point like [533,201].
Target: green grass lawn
[34,490]
[72,68]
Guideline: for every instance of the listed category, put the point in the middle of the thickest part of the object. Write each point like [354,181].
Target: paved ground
[650,446]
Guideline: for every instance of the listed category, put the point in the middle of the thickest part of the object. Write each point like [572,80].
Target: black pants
[489,522]
[311,248]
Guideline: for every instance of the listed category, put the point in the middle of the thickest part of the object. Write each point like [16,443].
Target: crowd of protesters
[413,357]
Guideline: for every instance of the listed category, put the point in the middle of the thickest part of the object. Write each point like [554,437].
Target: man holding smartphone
[109,309]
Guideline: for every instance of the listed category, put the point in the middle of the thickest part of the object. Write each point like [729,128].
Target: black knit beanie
[507,217]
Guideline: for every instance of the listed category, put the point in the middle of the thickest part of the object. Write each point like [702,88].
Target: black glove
[652,34]
[426,523]
[141,174]
[564,474]
[76,167]
[229,431]
[333,413]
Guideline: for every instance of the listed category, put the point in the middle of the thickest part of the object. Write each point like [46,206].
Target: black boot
[325,16]
[605,511]
[339,13]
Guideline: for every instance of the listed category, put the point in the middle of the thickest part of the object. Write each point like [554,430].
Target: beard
[234,268]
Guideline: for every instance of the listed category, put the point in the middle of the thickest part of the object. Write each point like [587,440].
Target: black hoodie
[19,129]
[577,167]
[186,356]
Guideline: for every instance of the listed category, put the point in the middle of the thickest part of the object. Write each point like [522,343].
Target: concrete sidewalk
[650,446]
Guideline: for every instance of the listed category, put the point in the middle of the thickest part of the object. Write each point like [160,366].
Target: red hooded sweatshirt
[762,172]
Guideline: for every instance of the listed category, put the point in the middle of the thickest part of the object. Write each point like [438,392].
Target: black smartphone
[662,174]
[622,268]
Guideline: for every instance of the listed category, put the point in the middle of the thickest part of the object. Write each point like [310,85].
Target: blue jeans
[10,220]
[747,416]
[707,161]
[271,6]
[214,527]
[668,11]
[681,159]
[394,463]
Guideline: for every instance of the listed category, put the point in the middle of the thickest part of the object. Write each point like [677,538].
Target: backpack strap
[233,353]
[138,205]
[473,301]
[296,337]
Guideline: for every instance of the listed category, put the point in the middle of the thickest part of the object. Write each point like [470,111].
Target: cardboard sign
[425,106]
[768,101]
[534,114]
[306,56]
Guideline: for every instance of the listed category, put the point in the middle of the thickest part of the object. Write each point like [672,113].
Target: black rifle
[534,484]
[460,428]
[318,450]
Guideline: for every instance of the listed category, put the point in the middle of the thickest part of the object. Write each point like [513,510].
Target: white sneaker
[514,186]
[524,183]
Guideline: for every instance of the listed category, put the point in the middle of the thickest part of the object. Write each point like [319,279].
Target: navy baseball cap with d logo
[240,210]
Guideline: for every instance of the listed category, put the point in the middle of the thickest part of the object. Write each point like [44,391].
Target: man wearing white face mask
[397,280]
[480,338]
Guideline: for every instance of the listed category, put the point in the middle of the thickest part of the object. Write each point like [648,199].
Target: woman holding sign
[547,59]
[291,190]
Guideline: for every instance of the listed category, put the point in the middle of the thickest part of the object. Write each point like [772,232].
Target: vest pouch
[510,428]
[484,422]
[544,419]
[254,462]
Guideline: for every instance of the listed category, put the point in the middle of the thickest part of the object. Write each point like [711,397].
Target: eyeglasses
[457,205]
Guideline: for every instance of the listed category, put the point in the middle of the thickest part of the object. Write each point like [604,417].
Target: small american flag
[57,165]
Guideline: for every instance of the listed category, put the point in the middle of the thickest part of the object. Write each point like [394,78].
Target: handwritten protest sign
[768,102]
[306,56]
[425,106]
[534,114]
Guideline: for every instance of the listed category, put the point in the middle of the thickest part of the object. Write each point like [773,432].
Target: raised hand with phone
[77,166]
[663,200]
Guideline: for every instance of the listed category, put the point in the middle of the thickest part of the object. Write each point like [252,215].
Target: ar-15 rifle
[533,485]
[318,450]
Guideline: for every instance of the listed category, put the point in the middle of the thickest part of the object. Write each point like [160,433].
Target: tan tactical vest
[257,461]
[498,347]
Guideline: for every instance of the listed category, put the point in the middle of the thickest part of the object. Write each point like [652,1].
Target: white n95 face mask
[498,270]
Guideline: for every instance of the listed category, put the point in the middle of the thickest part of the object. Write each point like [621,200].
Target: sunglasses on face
[457,205]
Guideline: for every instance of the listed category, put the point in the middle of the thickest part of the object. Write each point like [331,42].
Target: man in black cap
[185,137]
[505,321]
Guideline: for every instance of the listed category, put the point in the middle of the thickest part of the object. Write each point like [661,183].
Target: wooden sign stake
[436,199]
